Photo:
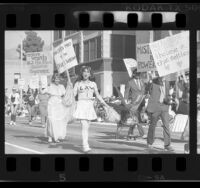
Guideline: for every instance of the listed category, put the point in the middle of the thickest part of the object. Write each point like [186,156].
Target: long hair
[84,68]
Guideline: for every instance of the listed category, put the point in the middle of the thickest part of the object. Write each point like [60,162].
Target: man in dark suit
[134,92]
[158,107]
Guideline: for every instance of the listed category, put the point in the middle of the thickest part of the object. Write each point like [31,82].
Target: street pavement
[26,139]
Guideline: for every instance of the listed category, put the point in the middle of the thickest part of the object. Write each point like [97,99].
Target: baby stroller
[128,116]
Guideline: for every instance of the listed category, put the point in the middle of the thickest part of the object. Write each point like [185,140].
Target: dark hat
[134,71]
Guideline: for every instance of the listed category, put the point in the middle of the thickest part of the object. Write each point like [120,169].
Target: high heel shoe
[87,150]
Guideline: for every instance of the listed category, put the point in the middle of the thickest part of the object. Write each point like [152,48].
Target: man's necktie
[162,93]
[138,83]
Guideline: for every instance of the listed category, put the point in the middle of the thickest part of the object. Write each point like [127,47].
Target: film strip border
[108,21]
[108,168]
[99,168]
[99,16]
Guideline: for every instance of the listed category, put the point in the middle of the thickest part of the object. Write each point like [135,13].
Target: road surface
[26,139]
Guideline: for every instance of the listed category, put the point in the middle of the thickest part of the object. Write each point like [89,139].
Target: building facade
[104,52]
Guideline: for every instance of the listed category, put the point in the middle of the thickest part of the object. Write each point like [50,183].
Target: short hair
[134,73]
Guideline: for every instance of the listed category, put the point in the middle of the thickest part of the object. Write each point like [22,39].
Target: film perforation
[59,20]
[35,164]
[108,20]
[108,164]
[84,164]
[181,164]
[35,20]
[132,164]
[132,20]
[156,20]
[59,164]
[84,20]
[11,21]
[11,164]
[180,20]
[157,164]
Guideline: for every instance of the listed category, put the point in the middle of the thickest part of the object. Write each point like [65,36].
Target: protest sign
[130,64]
[145,60]
[21,83]
[171,54]
[40,62]
[43,81]
[34,82]
[64,56]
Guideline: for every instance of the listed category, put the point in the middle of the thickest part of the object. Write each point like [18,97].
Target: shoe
[150,146]
[168,148]
[11,123]
[50,140]
[186,148]
[144,136]
[14,123]
[30,123]
[86,150]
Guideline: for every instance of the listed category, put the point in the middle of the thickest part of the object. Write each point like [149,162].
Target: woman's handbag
[68,99]
[70,112]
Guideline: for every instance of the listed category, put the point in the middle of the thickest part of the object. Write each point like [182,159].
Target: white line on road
[23,148]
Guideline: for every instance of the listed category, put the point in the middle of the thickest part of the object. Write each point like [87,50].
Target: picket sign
[171,54]
[21,83]
[65,57]
[39,63]
[34,82]
[145,61]
[43,81]
[130,65]
[180,123]
[67,71]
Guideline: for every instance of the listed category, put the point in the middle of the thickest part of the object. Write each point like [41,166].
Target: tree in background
[32,43]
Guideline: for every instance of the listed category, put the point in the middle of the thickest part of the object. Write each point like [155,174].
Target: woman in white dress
[57,112]
[85,112]
[14,103]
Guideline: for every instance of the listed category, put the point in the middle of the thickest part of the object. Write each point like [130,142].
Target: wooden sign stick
[67,71]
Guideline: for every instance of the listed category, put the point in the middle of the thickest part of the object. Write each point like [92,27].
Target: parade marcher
[158,107]
[36,94]
[14,103]
[31,105]
[6,96]
[135,91]
[43,102]
[6,101]
[85,112]
[56,111]
[183,108]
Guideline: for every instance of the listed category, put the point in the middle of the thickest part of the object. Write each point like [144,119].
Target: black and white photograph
[97,92]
